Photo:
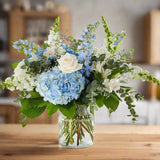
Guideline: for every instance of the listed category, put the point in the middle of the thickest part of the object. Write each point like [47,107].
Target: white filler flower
[111,85]
[69,63]
[22,80]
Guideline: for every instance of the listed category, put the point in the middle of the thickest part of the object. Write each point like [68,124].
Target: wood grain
[40,142]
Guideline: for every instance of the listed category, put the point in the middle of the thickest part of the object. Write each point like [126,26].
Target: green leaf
[114,73]
[14,65]
[68,110]
[51,109]
[34,94]
[116,96]
[111,103]
[33,107]
[99,101]
[24,124]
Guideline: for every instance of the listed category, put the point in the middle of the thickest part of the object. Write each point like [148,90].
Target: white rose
[69,63]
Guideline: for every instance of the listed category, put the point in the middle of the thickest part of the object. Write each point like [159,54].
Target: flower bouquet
[76,79]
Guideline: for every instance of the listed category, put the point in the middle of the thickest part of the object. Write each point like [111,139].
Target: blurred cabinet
[152,46]
[24,25]
[152,37]
[8,112]
[10,115]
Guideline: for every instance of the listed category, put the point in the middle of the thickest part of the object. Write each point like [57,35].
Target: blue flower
[20,44]
[59,88]
[37,54]
[84,56]
[68,49]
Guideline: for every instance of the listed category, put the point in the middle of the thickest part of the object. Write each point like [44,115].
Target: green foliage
[45,45]
[56,25]
[128,94]
[149,78]
[99,101]
[112,102]
[74,43]
[34,94]
[2,84]
[14,65]
[37,67]
[33,107]
[68,110]
[112,41]
[51,109]
[116,67]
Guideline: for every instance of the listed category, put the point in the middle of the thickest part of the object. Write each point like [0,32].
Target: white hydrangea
[9,84]
[21,80]
[111,85]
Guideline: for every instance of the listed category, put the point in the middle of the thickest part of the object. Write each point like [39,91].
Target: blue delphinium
[86,50]
[59,88]
[28,48]
[20,44]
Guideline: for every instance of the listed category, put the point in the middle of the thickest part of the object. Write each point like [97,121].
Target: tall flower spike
[86,49]
[112,41]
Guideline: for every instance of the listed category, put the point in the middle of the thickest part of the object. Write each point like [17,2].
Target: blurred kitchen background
[28,19]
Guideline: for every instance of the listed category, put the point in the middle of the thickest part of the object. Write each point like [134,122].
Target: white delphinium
[53,37]
[111,85]
[21,80]
[54,51]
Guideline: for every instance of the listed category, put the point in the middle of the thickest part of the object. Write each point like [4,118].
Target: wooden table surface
[40,142]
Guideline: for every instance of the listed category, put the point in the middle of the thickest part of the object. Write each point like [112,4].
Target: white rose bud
[69,63]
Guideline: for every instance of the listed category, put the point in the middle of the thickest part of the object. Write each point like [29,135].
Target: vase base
[85,142]
[75,146]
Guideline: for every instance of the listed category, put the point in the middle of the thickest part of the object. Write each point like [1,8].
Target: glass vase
[78,131]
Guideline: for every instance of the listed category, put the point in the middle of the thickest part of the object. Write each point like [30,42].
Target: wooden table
[40,142]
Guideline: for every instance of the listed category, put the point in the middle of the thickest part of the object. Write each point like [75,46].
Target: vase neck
[81,110]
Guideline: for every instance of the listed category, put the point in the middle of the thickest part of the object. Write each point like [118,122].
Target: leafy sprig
[112,41]
[128,95]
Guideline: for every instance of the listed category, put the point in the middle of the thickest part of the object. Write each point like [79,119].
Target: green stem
[78,132]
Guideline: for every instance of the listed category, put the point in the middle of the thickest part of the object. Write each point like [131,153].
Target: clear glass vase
[78,131]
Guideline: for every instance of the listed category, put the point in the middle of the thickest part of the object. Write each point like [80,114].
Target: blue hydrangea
[59,88]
